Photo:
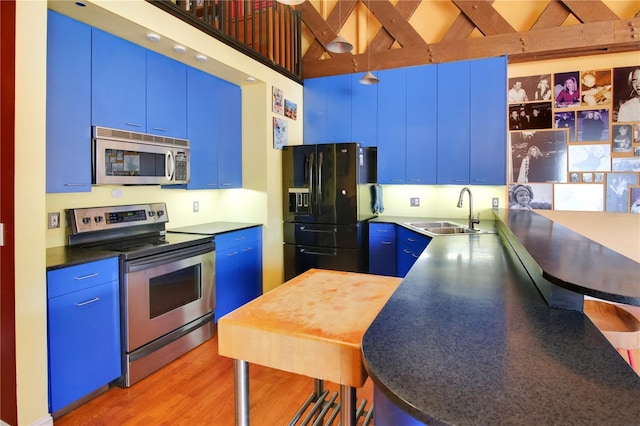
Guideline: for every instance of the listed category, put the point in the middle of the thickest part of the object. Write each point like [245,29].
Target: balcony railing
[268,31]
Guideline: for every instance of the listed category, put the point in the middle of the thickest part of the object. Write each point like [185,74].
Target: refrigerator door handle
[310,166]
[327,231]
[317,253]
[319,193]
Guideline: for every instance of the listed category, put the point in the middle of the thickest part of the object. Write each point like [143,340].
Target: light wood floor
[197,389]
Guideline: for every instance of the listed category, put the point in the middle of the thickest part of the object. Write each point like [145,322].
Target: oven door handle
[172,256]
[170,165]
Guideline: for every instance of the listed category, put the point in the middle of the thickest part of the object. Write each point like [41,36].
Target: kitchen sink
[437,224]
[452,230]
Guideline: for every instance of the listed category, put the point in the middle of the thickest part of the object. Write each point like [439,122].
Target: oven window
[173,290]
[119,162]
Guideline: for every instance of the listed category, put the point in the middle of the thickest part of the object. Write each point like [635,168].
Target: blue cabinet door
[166,96]
[229,135]
[68,105]
[453,123]
[382,249]
[118,91]
[238,269]
[422,124]
[315,111]
[488,121]
[201,110]
[392,102]
[83,330]
[364,107]
[338,93]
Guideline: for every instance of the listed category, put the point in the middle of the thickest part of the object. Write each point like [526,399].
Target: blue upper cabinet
[68,105]
[166,96]
[229,134]
[488,120]
[118,70]
[364,106]
[392,130]
[327,111]
[202,134]
[453,123]
[422,124]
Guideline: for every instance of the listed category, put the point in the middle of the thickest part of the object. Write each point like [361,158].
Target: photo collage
[574,140]
[285,107]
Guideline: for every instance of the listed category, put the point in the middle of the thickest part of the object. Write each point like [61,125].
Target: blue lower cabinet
[382,249]
[386,413]
[238,269]
[410,246]
[83,331]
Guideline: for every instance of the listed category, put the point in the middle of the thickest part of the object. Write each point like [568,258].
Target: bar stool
[619,326]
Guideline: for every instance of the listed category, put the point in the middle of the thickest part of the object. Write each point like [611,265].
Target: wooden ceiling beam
[552,16]
[461,28]
[395,24]
[590,11]
[383,40]
[549,43]
[484,17]
[324,31]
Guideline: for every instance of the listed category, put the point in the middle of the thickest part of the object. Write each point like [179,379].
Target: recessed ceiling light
[200,57]
[153,37]
[79,3]
[179,48]
[251,79]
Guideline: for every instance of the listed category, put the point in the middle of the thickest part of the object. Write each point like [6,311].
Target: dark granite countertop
[468,339]
[61,257]
[213,228]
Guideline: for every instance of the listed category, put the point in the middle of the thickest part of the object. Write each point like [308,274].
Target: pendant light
[291,2]
[339,44]
[369,78]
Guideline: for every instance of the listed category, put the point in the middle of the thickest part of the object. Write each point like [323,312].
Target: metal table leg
[241,391]
[347,405]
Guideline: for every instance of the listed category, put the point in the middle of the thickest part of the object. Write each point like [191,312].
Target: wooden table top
[311,325]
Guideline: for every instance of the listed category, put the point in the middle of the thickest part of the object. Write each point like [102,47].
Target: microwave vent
[124,135]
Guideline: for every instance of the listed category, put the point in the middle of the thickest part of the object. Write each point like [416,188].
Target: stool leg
[347,405]
[630,354]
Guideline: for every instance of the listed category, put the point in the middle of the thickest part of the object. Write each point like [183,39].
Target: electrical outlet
[415,202]
[196,206]
[494,203]
[54,220]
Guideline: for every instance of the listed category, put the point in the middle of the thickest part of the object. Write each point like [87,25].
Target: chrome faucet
[472,220]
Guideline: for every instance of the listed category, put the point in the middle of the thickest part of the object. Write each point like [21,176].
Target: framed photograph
[566,89]
[593,125]
[530,196]
[618,191]
[278,100]
[636,133]
[587,177]
[634,199]
[538,156]
[625,164]
[290,109]
[575,196]
[589,158]
[621,141]
[598,177]
[280,136]
[566,120]
[626,84]
[596,87]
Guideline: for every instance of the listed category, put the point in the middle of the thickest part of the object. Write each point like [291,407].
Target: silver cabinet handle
[95,299]
[84,277]
[133,124]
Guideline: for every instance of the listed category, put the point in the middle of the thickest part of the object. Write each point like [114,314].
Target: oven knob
[160,213]
[152,213]
[86,220]
[98,219]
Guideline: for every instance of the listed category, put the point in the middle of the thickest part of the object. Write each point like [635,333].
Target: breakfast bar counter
[468,338]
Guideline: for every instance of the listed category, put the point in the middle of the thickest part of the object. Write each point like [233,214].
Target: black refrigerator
[328,192]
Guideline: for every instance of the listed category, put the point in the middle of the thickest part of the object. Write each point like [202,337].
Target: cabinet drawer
[74,278]
[382,230]
[416,242]
[232,239]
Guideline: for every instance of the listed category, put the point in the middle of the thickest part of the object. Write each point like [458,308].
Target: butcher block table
[311,325]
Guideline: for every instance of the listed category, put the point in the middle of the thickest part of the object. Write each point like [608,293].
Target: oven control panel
[113,217]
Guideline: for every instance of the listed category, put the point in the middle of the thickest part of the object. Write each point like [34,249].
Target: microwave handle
[170,165]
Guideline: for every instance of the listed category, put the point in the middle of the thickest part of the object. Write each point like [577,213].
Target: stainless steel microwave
[121,157]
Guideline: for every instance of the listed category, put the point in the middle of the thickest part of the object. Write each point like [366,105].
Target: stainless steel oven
[167,282]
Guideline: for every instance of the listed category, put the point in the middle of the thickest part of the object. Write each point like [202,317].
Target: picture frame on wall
[278,100]
[593,125]
[618,184]
[280,136]
[290,109]
[539,155]
[621,139]
[566,120]
[589,158]
[566,89]
[596,88]
[626,94]
[634,199]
